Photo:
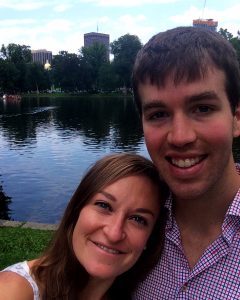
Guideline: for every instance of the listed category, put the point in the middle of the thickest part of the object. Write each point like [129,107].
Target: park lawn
[18,244]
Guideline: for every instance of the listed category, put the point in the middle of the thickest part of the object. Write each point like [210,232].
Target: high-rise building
[42,56]
[95,37]
[206,23]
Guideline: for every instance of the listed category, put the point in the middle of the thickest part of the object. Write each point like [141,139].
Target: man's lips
[108,249]
[185,162]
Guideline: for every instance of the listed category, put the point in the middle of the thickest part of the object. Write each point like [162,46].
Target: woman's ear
[236,122]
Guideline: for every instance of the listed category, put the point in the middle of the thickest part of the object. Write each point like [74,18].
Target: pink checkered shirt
[217,274]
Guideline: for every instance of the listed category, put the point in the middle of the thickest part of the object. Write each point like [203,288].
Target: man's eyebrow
[208,95]
[158,103]
[153,104]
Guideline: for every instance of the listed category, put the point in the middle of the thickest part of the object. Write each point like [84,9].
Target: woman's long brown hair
[58,273]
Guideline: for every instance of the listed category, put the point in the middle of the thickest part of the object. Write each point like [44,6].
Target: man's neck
[200,220]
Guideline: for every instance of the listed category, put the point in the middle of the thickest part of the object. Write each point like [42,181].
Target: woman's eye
[139,219]
[103,205]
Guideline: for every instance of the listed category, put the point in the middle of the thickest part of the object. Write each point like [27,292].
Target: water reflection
[47,144]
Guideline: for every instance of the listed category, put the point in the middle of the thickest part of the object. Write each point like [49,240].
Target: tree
[108,79]
[225,33]
[125,50]
[93,58]
[8,76]
[16,53]
[16,58]
[235,41]
[66,71]
[37,78]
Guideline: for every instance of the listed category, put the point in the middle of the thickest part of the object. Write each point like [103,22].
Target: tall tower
[95,37]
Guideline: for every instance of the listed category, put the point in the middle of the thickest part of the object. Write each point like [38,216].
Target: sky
[58,25]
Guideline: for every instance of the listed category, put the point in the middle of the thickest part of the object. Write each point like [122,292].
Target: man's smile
[185,162]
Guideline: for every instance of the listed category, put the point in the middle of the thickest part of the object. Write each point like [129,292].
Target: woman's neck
[96,289]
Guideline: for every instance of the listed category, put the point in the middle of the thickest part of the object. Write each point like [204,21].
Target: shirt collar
[234,208]
[168,205]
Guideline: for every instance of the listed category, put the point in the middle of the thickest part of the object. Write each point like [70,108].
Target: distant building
[42,56]
[206,23]
[95,37]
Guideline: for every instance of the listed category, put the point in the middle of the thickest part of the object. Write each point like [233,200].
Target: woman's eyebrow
[109,196]
[145,211]
[138,210]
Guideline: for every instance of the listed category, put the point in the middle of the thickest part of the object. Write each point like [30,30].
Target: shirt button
[184,287]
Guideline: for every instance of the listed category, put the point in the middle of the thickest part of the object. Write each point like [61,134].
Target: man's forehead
[172,79]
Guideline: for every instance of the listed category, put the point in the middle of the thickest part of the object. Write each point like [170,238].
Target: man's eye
[139,219]
[103,205]
[203,109]
[158,115]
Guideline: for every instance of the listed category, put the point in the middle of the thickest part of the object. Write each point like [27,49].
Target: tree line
[90,70]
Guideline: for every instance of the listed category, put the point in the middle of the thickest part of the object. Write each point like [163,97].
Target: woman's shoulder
[13,286]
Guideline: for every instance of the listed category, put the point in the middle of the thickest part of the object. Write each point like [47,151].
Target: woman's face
[114,226]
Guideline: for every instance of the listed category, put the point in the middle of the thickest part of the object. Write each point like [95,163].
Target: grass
[18,244]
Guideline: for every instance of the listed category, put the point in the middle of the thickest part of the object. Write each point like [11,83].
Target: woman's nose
[114,229]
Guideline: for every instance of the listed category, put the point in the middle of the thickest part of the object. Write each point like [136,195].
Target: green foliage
[9,75]
[93,58]
[66,71]
[17,73]
[108,79]
[88,71]
[37,78]
[225,33]
[16,53]
[18,244]
[125,50]
[235,41]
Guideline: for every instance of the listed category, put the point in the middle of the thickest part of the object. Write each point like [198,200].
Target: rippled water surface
[47,144]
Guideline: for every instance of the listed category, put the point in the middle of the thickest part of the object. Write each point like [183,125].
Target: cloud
[127,3]
[132,25]
[28,5]
[23,5]
[61,25]
[62,7]
[227,18]
[186,17]
[5,24]
[40,35]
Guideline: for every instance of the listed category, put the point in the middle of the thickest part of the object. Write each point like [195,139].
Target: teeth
[185,163]
[109,250]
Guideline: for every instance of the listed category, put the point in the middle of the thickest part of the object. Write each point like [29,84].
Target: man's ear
[236,122]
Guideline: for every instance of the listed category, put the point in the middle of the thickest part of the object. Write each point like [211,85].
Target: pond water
[46,144]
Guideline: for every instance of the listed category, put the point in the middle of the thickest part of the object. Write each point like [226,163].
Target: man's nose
[181,131]
[114,229]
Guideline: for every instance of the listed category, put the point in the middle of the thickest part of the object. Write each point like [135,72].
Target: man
[187,88]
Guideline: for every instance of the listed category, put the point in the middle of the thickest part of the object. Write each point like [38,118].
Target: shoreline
[32,225]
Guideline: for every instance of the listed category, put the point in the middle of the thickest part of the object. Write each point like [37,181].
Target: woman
[109,238]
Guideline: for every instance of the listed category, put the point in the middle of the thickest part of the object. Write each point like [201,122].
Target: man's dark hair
[186,54]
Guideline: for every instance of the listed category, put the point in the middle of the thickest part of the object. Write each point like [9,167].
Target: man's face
[188,131]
